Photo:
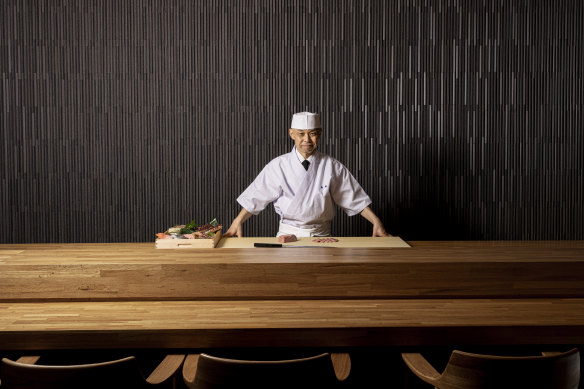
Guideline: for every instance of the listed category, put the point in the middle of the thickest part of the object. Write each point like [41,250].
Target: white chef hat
[305,121]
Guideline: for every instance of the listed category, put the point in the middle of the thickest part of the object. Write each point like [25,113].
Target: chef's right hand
[234,229]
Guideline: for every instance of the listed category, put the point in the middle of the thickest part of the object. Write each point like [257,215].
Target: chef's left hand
[378,230]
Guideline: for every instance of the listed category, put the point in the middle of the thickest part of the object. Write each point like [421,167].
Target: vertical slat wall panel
[462,120]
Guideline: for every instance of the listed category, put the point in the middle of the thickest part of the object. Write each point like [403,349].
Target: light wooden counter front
[138,271]
[435,293]
[290,323]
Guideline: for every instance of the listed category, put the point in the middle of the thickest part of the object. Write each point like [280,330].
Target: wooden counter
[291,323]
[137,271]
[435,293]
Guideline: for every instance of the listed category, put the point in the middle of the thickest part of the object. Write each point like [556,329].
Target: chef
[305,185]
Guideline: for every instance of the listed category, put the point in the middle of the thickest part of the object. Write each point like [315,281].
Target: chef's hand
[378,230]
[234,229]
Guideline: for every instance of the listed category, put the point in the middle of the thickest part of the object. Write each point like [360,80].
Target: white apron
[321,230]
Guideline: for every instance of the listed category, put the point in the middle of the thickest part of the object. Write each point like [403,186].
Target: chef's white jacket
[305,198]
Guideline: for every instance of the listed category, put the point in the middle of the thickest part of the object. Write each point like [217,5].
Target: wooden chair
[121,373]
[203,371]
[468,371]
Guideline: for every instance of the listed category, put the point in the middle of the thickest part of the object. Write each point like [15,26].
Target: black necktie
[305,163]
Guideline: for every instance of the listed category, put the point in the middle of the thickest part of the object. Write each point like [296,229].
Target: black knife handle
[267,245]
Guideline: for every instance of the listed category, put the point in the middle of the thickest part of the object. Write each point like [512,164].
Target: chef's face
[305,140]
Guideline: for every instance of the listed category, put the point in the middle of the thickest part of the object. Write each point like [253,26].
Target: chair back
[468,371]
[211,372]
[122,373]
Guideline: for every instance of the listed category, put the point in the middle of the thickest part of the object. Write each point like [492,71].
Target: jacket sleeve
[347,193]
[262,191]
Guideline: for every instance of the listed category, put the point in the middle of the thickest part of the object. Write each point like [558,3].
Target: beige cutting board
[344,242]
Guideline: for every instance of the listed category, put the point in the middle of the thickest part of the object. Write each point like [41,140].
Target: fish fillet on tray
[186,236]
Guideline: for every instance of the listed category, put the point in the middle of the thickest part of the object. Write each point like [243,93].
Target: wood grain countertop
[138,271]
[130,295]
[421,251]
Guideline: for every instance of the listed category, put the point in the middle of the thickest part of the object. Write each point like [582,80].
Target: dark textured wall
[462,120]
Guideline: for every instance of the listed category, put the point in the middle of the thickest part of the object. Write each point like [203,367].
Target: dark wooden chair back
[122,373]
[202,371]
[468,371]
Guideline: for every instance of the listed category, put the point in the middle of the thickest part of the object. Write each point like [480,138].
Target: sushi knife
[282,245]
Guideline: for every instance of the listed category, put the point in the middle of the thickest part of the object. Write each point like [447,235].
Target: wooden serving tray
[189,243]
